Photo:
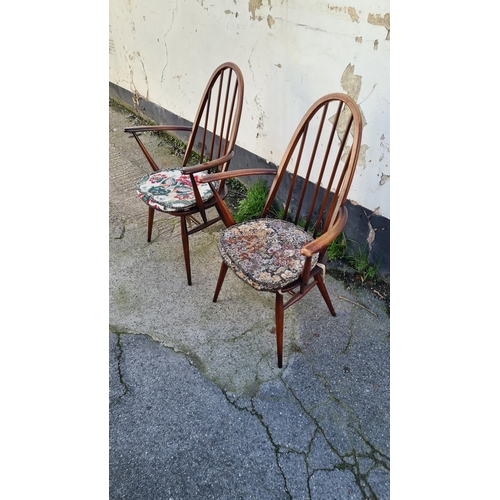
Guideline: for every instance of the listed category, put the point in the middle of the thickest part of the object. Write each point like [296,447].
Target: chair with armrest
[179,192]
[285,250]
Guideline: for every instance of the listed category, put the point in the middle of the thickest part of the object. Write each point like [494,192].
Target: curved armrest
[238,173]
[208,165]
[322,242]
[156,128]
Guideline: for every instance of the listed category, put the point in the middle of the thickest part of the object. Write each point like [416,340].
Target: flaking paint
[294,53]
[378,20]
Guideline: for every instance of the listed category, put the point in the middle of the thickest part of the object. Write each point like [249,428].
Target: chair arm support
[208,165]
[238,173]
[322,242]
[136,132]
[156,128]
[226,215]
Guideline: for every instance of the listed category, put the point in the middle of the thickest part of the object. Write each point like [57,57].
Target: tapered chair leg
[185,246]
[324,293]
[280,313]
[151,215]
[222,275]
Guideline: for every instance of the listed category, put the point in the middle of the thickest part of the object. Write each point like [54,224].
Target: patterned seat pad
[170,190]
[265,253]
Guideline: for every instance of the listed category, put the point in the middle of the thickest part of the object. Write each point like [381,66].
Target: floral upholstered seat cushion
[171,191]
[265,253]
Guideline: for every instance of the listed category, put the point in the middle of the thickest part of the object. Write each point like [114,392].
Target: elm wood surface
[322,153]
[213,136]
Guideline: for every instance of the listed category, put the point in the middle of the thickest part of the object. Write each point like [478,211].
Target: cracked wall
[290,55]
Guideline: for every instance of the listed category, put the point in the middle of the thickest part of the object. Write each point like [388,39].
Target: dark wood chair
[285,251]
[179,192]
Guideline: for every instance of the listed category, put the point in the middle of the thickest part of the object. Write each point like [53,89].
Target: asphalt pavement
[198,408]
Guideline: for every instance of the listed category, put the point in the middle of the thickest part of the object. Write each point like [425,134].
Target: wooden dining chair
[179,191]
[285,250]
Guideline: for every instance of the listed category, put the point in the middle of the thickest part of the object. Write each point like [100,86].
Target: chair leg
[280,313]
[150,222]
[324,293]
[222,275]
[185,246]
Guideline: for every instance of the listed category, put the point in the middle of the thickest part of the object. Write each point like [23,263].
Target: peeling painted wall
[291,53]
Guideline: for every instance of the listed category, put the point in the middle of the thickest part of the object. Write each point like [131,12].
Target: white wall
[291,53]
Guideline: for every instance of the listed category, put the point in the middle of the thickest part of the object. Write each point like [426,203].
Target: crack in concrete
[373,450]
[120,372]
[360,479]
[351,336]
[378,458]
[253,411]
[317,429]
[350,461]
[276,447]
[360,462]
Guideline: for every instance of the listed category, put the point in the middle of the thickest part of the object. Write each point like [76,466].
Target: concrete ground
[198,408]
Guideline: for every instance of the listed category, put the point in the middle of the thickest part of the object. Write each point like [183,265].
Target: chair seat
[265,253]
[171,191]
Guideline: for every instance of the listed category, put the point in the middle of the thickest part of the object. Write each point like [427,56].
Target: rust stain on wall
[354,15]
[270,21]
[254,5]
[362,154]
[378,20]
[346,10]
[350,82]
[336,8]
[371,234]
[344,118]
[359,39]
[112,48]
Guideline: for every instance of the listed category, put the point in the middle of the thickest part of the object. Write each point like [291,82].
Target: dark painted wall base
[367,232]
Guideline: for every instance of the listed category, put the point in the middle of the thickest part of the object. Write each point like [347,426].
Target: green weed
[356,259]
[251,207]
[359,261]
[338,247]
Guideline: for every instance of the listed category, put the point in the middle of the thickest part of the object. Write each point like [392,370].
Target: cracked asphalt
[197,406]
